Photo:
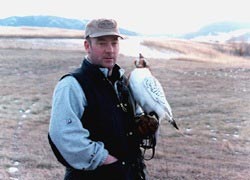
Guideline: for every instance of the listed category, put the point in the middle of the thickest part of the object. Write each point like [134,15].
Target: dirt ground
[210,102]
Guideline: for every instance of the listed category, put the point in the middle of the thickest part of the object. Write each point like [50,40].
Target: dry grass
[210,101]
[199,51]
[38,32]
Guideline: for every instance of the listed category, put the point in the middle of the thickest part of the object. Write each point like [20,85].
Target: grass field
[209,92]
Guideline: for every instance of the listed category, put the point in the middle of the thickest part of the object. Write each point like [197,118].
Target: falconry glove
[147,125]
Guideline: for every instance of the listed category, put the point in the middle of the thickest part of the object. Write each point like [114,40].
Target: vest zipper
[121,104]
[123,107]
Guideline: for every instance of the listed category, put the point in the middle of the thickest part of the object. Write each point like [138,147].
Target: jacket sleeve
[66,131]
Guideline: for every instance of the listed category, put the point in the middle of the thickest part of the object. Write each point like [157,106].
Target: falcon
[148,92]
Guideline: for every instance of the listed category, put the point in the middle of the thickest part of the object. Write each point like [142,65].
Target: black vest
[109,116]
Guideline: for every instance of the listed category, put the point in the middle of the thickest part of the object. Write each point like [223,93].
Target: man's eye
[102,43]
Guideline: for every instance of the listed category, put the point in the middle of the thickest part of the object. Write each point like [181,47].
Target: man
[92,128]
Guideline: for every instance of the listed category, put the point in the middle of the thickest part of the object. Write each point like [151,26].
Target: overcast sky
[143,16]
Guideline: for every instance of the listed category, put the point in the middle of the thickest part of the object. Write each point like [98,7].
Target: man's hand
[147,125]
[109,160]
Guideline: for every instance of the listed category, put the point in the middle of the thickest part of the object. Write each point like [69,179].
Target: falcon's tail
[171,120]
[174,123]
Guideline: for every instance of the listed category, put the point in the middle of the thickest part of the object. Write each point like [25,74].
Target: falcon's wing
[155,89]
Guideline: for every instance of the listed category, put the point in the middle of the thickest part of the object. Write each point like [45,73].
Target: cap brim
[106,34]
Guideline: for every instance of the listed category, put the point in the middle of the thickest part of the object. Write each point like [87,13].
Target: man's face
[103,51]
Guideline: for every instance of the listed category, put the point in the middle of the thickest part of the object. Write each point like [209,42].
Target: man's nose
[109,47]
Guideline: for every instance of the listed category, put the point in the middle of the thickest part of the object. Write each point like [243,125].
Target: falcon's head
[141,62]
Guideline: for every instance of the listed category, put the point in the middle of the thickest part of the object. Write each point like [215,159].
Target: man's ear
[86,46]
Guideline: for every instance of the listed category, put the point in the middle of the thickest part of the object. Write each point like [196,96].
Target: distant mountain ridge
[213,29]
[216,28]
[51,21]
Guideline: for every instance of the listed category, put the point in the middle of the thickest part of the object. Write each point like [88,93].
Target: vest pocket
[116,170]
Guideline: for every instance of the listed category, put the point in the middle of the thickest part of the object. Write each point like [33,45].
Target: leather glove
[147,125]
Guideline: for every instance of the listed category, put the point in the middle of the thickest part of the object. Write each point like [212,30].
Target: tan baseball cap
[102,27]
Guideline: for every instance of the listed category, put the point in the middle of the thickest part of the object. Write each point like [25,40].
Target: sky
[142,16]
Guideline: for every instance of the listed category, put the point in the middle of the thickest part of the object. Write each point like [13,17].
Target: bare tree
[241,47]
